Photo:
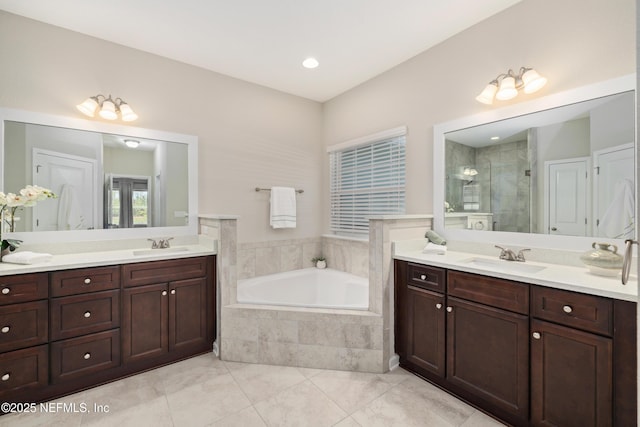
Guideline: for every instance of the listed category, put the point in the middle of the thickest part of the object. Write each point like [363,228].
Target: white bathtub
[309,287]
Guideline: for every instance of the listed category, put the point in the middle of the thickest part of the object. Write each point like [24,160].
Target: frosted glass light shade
[128,115]
[88,107]
[507,89]
[108,110]
[533,81]
[486,96]
[131,143]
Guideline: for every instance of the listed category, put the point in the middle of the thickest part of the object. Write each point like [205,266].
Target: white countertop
[107,257]
[571,278]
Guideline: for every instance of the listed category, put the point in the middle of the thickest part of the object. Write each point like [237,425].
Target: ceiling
[265,42]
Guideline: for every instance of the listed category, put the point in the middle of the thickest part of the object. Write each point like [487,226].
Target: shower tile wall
[458,157]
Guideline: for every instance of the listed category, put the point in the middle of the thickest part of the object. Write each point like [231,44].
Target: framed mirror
[558,169]
[111,181]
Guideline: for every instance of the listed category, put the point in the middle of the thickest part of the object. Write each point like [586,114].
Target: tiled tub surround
[277,256]
[318,338]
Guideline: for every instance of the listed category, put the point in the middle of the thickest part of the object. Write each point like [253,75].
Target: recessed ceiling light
[310,63]
[131,143]
[495,138]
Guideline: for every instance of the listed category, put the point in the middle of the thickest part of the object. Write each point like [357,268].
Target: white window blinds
[368,179]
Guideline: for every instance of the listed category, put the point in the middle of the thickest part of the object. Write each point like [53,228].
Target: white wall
[249,135]
[572,42]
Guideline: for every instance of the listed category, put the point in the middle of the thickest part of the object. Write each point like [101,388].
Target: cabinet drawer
[85,355]
[505,294]
[23,288]
[22,369]
[23,325]
[84,280]
[582,311]
[146,273]
[426,277]
[83,314]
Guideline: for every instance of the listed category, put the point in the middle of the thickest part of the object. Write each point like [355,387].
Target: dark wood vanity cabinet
[68,330]
[528,355]
[164,317]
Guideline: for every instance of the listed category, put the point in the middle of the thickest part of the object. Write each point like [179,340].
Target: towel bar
[268,189]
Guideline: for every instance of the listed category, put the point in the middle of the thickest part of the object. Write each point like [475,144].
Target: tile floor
[204,391]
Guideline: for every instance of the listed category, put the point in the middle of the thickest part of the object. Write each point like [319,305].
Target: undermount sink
[141,252]
[502,265]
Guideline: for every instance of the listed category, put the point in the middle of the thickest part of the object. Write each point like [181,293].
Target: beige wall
[572,42]
[249,135]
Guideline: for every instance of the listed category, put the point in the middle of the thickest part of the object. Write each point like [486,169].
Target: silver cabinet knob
[449,309]
[438,306]
[173,291]
[87,281]
[567,309]
[536,335]
[5,291]
[423,277]
[5,329]
[5,377]
[87,356]
[87,314]
[164,293]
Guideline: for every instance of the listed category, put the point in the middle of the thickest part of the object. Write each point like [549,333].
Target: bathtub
[309,287]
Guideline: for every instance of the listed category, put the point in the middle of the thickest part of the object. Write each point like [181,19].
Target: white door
[567,196]
[74,181]
[612,167]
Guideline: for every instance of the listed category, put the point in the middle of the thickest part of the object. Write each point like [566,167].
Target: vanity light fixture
[107,108]
[506,86]
[131,143]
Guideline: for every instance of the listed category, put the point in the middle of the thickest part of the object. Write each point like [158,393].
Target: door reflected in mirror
[568,170]
[101,180]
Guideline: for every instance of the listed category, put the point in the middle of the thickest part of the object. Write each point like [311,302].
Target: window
[367,178]
[128,202]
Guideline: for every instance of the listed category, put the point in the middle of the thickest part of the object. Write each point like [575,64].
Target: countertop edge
[575,273]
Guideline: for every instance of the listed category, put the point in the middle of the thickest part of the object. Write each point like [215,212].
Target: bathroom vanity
[66,327]
[519,347]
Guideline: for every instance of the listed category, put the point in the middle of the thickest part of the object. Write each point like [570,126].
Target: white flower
[14,200]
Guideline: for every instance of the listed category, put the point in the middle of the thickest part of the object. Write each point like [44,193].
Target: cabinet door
[187,313]
[425,340]
[488,354]
[145,322]
[571,377]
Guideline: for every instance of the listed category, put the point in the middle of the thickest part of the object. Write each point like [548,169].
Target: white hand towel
[283,207]
[27,257]
[617,221]
[433,248]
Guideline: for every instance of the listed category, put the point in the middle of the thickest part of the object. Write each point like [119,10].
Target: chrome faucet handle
[154,243]
[520,256]
[506,253]
[164,243]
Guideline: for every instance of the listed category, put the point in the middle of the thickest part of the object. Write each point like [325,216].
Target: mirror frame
[45,237]
[605,88]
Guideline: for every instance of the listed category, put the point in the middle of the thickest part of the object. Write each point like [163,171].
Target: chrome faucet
[160,244]
[508,255]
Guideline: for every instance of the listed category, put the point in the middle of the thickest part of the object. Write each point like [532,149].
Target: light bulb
[108,110]
[486,96]
[507,88]
[88,107]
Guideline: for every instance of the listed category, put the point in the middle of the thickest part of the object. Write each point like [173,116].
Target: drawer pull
[164,293]
[567,309]
[449,309]
[438,306]
[5,291]
[173,291]
[87,281]
[87,314]
[536,335]
[87,356]
[423,277]
[6,377]
[5,329]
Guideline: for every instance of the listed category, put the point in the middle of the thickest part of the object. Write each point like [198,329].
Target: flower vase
[3,252]
[321,264]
